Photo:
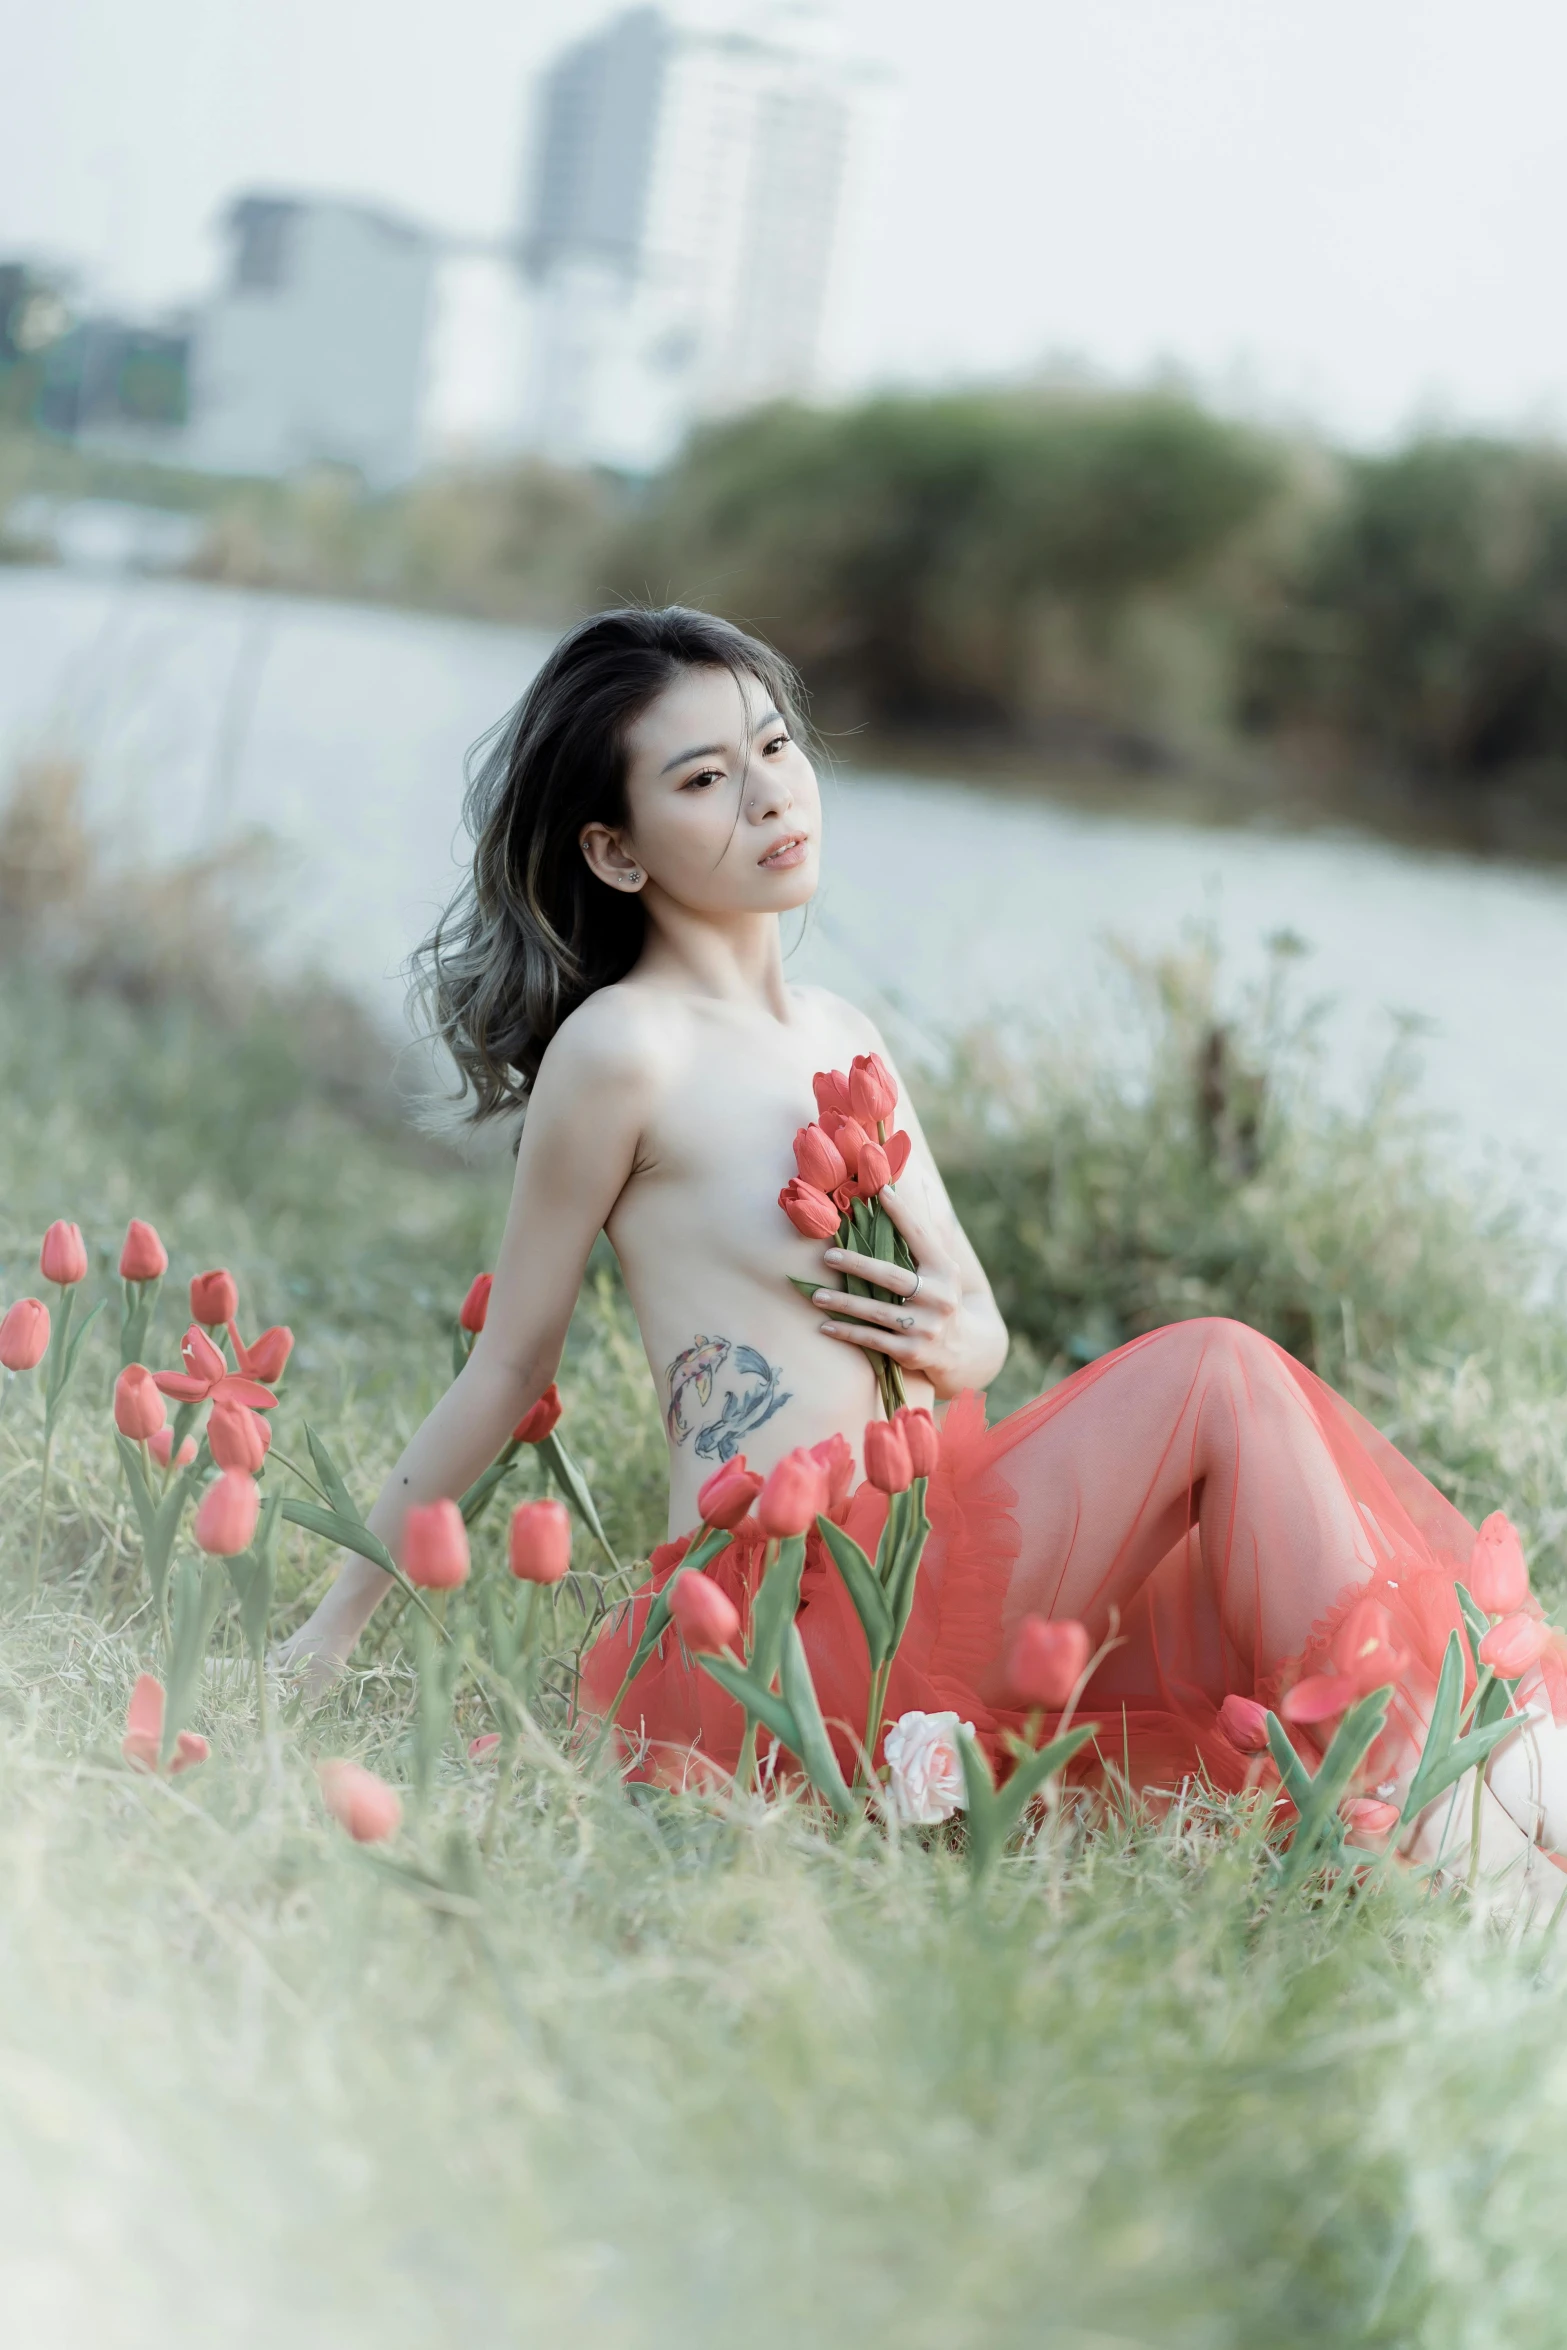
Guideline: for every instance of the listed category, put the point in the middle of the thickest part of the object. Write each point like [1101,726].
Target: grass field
[689,2073]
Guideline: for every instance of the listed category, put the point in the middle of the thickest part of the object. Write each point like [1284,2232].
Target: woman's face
[725,816]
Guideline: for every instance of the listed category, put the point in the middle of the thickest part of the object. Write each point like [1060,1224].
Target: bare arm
[578,1149]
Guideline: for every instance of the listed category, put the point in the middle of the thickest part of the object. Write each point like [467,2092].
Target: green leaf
[1026,1781]
[774,1608]
[813,1745]
[985,1838]
[768,1707]
[350,1532]
[574,1486]
[481,1492]
[906,1567]
[75,1347]
[1476,1624]
[656,1622]
[1319,1832]
[136,1478]
[1438,1773]
[198,1594]
[859,1576]
[1431,1775]
[1293,1772]
[331,1478]
[459,1351]
[884,1235]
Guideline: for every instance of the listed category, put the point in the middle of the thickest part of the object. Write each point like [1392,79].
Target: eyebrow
[712,750]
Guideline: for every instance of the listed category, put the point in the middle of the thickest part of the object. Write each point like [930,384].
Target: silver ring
[914,1292]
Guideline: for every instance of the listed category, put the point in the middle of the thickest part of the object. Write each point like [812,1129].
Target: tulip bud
[482,1747]
[24,1334]
[921,1435]
[810,1211]
[477,1302]
[1365,1817]
[831,1088]
[541,1421]
[360,1802]
[898,1148]
[143,1257]
[1498,1579]
[214,1298]
[819,1160]
[887,1463]
[1046,1661]
[435,1546]
[201,1358]
[161,1444]
[873,1096]
[874,1171]
[539,1546]
[848,1139]
[1244,1723]
[835,1458]
[707,1621]
[1513,1645]
[139,1409]
[63,1257]
[728,1494]
[144,1732]
[226,1515]
[267,1357]
[791,1497]
[237,1438]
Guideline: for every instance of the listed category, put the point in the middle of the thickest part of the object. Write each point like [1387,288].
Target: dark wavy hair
[533,931]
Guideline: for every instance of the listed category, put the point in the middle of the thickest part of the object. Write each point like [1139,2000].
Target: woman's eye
[776,744]
[700,782]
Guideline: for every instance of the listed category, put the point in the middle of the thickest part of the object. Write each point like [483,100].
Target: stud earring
[634,877]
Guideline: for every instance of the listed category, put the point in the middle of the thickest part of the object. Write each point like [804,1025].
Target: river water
[342,730]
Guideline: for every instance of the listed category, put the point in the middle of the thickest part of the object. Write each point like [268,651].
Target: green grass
[693,2074]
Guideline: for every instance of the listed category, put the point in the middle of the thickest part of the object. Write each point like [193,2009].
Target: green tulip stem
[43,1499]
[263,1716]
[503,1770]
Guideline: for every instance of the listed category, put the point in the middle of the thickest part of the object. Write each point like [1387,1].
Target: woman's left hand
[922,1325]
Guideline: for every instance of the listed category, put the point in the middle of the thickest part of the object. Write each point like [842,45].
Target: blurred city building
[681,228]
[313,350]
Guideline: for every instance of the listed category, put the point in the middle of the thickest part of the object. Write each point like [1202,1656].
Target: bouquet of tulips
[843,1163]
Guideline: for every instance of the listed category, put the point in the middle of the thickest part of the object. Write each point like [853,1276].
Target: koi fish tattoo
[749,1388]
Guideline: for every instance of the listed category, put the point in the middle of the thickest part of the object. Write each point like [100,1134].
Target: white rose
[924,1768]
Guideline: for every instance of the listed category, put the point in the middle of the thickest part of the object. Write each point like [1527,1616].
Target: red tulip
[477,1302]
[63,1257]
[360,1802]
[482,1747]
[1046,1661]
[835,1458]
[435,1546]
[1498,1578]
[214,1298]
[24,1334]
[887,1463]
[831,1088]
[144,1732]
[874,1171]
[139,1410]
[818,1159]
[706,1620]
[539,1546]
[898,1148]
[1364,1658]
[1365,1817]
[728,1494]
[873,1094]
[226,1515]
[921,1435]
[541,1420]
[267,1356]
[808,1210]
[237,1438]
[848,1139]
[161,1445]
[207,1378]
[143,1257]
[1244,1723]
[791,1497]
[1513,1645]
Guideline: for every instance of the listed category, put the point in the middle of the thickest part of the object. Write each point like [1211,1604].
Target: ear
[609,859]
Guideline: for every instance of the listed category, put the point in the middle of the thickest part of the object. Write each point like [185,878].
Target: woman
[646,816]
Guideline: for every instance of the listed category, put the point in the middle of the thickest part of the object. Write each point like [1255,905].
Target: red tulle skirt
[1224,1502]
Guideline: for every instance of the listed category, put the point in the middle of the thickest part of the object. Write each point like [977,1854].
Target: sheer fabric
[1225,1502]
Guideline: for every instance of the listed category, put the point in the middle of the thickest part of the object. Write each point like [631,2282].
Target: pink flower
[237,1438]
[1514,1644]
[834,1456]
[1046,1661]
[849,1138]
[63,1257]
[214,1297]
[266,1357]
[1363,1658]
[1366,1818]
[143,1257]
[539,1544]
[887,1463]
[24,1334]
[810,1211]
[818,1159]
[707,1621]
[477,1302]
[541,1419]
[921,1435]
[831,1088]
[482,1747]
[792,1496]
[207,1378]
[435,1546]
[139,1410]
[360,1802]
[226,1515]
[874,1171]
[873,1093]
[924,1768]
[1244,1723]
[1498,1579]
[144,1732]
[161,1445]
[898,1147]
[728,1494]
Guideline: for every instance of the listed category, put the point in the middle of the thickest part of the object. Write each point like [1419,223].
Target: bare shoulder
[858,1030]
[621,1036]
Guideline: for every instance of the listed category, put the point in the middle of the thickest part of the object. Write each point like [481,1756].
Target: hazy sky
[1348,209]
